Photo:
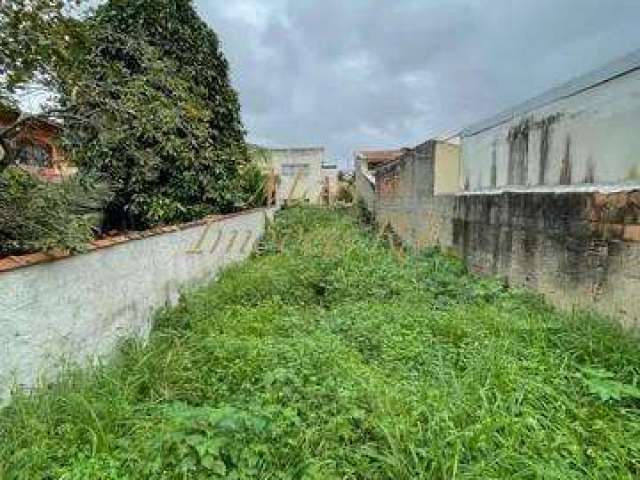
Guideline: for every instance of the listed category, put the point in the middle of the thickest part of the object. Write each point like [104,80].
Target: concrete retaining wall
[578,248]
[81,307]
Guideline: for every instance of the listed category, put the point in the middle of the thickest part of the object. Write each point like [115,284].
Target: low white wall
[80,308]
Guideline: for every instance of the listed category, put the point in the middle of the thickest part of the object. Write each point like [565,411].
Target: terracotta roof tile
[8,263]
[380,156]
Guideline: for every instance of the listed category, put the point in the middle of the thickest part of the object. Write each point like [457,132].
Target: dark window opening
[34,155]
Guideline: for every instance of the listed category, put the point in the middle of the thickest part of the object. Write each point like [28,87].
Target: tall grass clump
[330,356]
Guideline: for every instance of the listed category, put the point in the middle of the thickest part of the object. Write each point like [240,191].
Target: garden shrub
[37,215]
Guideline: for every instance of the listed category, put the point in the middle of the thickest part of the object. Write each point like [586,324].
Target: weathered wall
[447,174]
[401,187]
[309,186]
[406,197]
[81,307]
[577,247]
[587,138]
[365,187]
[329,178]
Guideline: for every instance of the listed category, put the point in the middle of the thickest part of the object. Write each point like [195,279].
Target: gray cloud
[385,73]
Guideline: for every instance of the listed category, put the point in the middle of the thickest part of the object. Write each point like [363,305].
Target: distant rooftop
[296,149]
[578,85]
[377,157]
[9,115]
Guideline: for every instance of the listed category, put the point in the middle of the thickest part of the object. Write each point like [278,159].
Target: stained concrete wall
[587,138]
[80,308]
[407,199]
[447,169]
[309,186]
[579,247]
[401,187]
[365,187]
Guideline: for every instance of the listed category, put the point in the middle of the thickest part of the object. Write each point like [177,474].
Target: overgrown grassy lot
[330,356]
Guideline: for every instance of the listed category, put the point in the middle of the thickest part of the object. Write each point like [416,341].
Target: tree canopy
[147,101]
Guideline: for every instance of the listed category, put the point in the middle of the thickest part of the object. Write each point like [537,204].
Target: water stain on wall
[494,164]
[544,154]
[566,168]
[518,140]
[590,174]
[528,236]
[546,130]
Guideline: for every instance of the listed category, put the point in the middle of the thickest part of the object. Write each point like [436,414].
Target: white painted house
[299,172]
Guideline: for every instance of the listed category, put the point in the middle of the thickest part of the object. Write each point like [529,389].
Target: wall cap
[15,262]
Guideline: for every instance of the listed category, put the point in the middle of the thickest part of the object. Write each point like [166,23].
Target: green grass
[329,357]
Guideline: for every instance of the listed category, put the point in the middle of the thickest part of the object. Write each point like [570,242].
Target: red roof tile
[380,156]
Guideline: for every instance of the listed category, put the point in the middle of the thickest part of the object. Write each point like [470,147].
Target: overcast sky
[349,74]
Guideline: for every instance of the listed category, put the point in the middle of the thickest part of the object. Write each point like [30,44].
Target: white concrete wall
[446,169]
[365,186]
[597,129]
[80,308]
[308,187]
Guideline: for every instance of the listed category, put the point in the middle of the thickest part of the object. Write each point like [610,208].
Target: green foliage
[36,215]
[164,123]
[146,100]
[251,186]
[37,40]
[330,356]
[345,192]
[603,384]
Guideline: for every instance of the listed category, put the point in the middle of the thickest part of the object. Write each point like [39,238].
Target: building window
[294,169]
[34,155]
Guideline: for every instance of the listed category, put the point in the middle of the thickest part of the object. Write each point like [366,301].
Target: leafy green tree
[145,97]
[164,120]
